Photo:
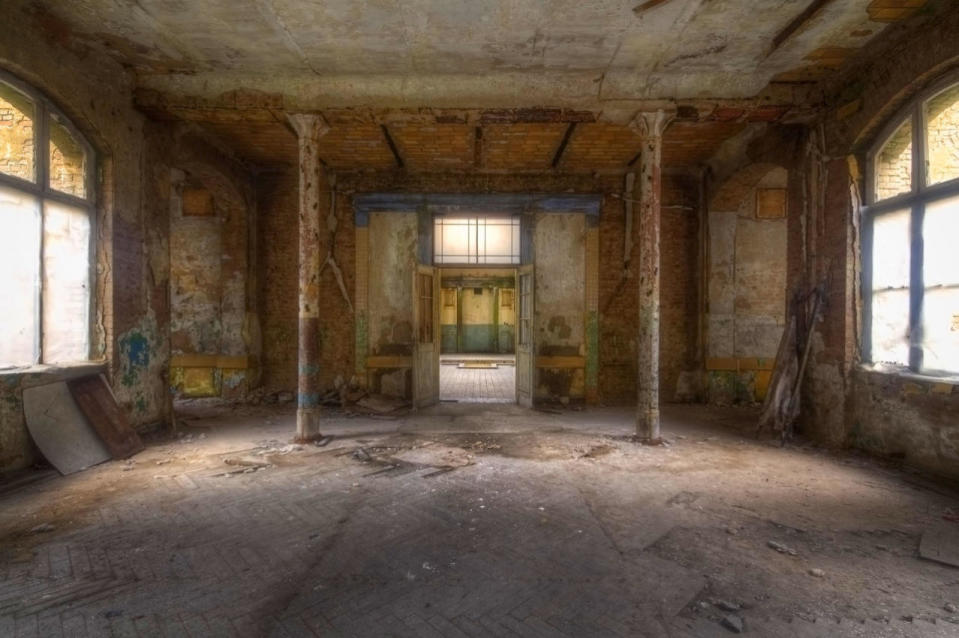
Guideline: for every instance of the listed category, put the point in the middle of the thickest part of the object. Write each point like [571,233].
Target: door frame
[525,350]
[429,395]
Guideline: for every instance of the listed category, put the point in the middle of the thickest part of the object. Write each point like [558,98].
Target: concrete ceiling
[466,85]
[474,52]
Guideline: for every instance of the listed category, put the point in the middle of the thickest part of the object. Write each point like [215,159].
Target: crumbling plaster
[94,91]
[902,416]
[466,52]
[617,293]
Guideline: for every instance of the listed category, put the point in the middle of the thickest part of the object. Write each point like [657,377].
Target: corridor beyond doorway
[478,378]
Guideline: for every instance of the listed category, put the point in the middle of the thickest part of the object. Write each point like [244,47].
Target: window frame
[515,221]
[44,109]
[915,201]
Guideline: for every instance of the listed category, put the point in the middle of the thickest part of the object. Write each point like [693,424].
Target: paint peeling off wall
[131,306]
[211,279]
[747,281]
[559,322]
[141,360]
[393,241]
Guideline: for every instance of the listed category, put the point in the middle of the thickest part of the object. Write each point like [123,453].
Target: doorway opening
[478,319]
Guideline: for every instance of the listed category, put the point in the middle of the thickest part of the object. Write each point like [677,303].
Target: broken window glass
[20,284]
[894,164]
[66,289]
[942,137]
[68,163]
[890,288]
[16,134]
[940,303]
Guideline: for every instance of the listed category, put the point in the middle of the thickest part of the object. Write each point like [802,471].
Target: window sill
[42,374]
[905,373]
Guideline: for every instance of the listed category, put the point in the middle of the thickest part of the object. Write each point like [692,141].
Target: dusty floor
[462,381]
[466,521]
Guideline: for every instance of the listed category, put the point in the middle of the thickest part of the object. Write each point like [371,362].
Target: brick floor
[505,523]
[478,385]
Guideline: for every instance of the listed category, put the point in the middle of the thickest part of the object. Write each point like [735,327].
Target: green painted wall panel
[507,339]
[448,334]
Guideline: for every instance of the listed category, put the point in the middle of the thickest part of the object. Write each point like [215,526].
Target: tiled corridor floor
[464,384]
[475,521]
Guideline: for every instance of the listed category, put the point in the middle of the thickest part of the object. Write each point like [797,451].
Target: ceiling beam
[392,145]
[478,147]
[563,144]
[798,23]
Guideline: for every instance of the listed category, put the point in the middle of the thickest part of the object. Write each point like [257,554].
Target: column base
[307,425]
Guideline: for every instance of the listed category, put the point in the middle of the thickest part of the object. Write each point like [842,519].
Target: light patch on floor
[478,378]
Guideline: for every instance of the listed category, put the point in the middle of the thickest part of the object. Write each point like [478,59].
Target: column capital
[308,125]
[651,124]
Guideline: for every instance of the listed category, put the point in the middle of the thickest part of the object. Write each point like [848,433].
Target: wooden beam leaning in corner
[95,399]
[649,4]
[563,144]
[392,144]
[478,147]
[313,205]
[798,22]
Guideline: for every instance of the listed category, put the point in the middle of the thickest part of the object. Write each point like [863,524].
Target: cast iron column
[309,129]
[650,126]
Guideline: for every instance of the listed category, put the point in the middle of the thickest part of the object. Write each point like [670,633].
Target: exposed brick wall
[844,404]
[894,165]
[16,141]
[277,199]
[130,314]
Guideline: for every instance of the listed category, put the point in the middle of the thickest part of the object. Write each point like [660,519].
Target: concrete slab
[60,430]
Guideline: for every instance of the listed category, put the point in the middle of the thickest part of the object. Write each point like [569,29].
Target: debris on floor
[940,543]
[733,623]
[381,404]
[782,549]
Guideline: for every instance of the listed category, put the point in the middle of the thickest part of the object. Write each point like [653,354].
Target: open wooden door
[525,350]
[426,353]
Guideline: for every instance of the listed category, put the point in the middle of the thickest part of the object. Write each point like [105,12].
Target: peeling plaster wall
[746,290]
[277,236]
[393,241]
[912,419]
[559,306]
[131,288]
[212,278]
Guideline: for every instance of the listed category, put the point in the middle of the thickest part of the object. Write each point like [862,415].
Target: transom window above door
[476,240]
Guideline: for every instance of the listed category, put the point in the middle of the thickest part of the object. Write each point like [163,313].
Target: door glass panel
[525,308]
[20,263]
[942,136]
[890,288]
[894,164]
[940,311]
[66,285]
[68,161]
[16,134]
[425,295]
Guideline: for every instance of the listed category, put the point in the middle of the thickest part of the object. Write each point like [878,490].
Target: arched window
[911,238]
[46,230]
